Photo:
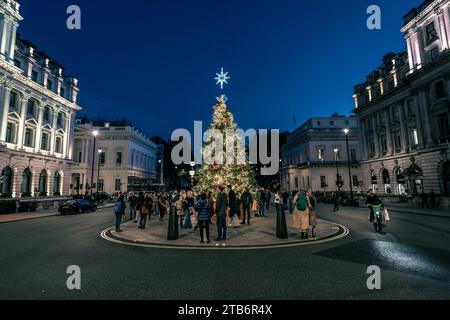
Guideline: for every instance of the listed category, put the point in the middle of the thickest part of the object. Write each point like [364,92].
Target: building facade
[37,112]
[315,156]
[119,158]
[404,108]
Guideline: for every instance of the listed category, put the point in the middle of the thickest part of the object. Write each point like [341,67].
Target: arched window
[43,183]
[386,181]
[56,184]
[374,181]
[6,183]
[26,183]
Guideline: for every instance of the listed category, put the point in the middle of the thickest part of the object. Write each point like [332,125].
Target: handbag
[386,215]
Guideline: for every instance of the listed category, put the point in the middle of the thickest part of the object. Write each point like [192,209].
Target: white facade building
[315,156]
[37,113]
[404,110]
[121,158]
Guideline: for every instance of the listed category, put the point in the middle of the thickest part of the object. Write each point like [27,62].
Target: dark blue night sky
[153,62]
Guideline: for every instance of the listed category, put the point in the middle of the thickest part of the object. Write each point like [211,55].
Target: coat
[203,209]
[221,205]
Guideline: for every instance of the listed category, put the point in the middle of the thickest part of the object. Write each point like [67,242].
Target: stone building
[111,157]
[403,109]
[37,112]
[315,156]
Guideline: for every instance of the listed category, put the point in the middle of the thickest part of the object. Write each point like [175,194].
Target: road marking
[279,246]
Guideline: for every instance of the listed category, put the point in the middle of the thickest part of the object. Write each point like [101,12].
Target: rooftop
[416,11]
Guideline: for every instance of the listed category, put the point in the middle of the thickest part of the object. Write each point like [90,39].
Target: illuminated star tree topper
[222,78]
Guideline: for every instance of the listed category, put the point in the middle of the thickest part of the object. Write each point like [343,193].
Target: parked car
[77,206]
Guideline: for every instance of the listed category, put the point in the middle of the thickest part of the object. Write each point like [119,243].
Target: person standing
[188,209]
[247,201]
[140,203]
[261,203]
[285,197]
[146,210]
[277,199]
[424,197]
[267,197]
[203,209]
[164,207]
[336,199]
[179,204]
[132,200]
[119,211]
[301,213]
[232,204]
[221,214]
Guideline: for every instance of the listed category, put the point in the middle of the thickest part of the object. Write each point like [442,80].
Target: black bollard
[281,223]
[172,233]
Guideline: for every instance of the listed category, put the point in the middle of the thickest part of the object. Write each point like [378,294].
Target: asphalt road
[414,257]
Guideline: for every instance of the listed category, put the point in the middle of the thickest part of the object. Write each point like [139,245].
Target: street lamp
[346,132]
[100,151]
[94,134]
[338,177]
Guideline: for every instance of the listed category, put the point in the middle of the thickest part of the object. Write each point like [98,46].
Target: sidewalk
[14,217]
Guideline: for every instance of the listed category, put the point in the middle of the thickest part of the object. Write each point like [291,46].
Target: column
[446,17]
[23,113]
[426,117]
[418,121]
[54,128]
[405,144]
[37,145]
[363,138]
[7,85]
[410,52]
[12,45]
[388,133]
[67,129]
[3,36]
[442,31]
[415,41]
[376,137]
[71,139]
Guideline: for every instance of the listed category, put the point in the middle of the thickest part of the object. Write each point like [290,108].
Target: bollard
[172,233]
[281,223]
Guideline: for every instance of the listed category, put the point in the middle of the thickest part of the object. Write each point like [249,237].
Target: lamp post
[100,151]
[338,177]
[94,134]
[346,132]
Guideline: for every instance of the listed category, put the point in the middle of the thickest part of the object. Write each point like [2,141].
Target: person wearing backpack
[302,206]
[119,211]
[247,201]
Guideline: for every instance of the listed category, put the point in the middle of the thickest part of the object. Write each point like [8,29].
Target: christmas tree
[235,173]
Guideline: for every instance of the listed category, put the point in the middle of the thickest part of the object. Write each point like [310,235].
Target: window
[58,145]
[17,63]
[29,136]
[383,143]
[30,108]
[10,133]
[415,137]
[118,185]
[323,182]
[430,33]
[396,113]
[6,182]
[296,183]
[439,89]
[371,148]
[101,184]
[62,92]
[56,184]
[59,120]
[355,181]
[410,107]
[102,158]
[43,183]
[434,54]
[319,123]
[46,114]
[80,156]
[34,76]
[44,141]
[397,141]
[353,157]
[13,100]
[49,85]
[119,158]
[26,183]
[321,154]
[331,123]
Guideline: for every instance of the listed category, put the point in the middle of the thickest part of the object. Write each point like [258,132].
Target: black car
[77,206]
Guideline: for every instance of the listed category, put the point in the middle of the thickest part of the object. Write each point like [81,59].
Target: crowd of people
[228,209]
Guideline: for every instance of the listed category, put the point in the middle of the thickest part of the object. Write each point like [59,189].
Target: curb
[341,233]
